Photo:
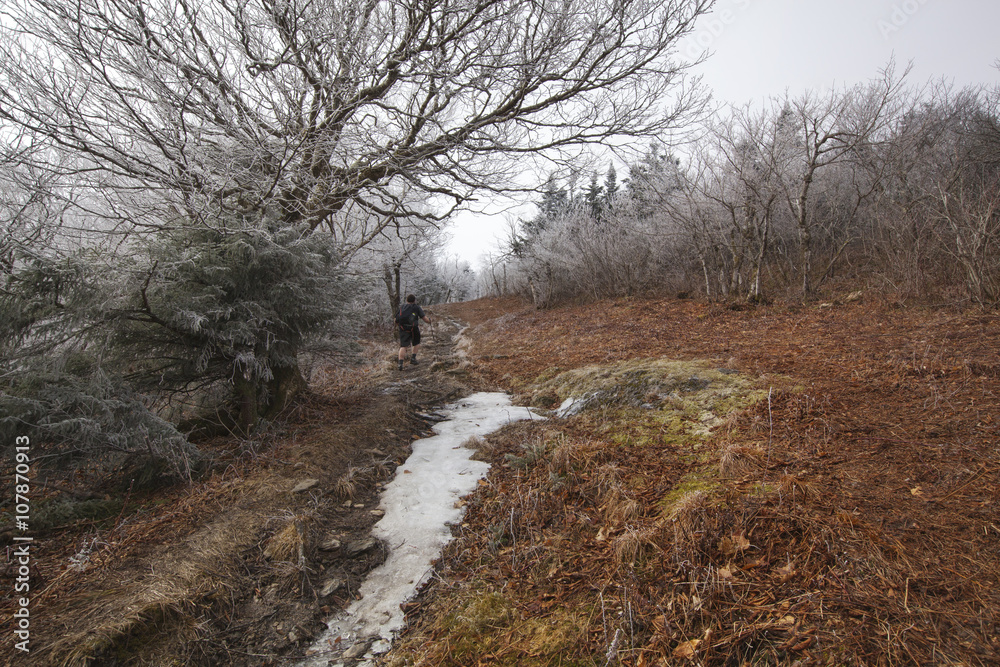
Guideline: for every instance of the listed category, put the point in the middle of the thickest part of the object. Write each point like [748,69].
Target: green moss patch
[680,400]
[702,481]
[58,513]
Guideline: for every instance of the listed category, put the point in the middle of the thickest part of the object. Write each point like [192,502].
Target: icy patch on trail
[420,504]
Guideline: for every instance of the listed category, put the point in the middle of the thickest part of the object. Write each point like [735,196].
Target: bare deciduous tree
[934,219]
[235,124]
[971,211]
[318,107]
[743,181]
[828,131]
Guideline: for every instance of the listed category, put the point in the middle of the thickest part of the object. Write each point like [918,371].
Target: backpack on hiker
[406,318]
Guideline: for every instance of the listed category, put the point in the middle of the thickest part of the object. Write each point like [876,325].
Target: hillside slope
[245,565]
[841,508]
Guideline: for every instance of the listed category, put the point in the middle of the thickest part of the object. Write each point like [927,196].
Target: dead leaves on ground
[852,513]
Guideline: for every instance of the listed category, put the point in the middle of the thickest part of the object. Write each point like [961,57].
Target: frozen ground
[420,504]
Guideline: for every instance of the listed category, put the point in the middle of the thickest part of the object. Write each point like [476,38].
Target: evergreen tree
[193,309]
[610,187]
[54,385]
[232,306]
[555,201]
[593,197]
[655,177]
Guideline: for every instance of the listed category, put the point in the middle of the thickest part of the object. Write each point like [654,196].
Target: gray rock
[356,651]
[360,546]
[305,485]
[330,585]
[330,544]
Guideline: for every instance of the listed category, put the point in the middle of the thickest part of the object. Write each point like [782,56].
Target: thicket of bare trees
[406,257]
[194,191]
[888,186]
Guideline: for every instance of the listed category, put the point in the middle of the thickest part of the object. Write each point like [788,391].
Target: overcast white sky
[763,48]
[760,48]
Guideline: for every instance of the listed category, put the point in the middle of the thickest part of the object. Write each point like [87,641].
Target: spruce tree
[92,344]
[610,188]
[231,305]
[593,196]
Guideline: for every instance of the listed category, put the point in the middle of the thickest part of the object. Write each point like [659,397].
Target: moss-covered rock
[693,396]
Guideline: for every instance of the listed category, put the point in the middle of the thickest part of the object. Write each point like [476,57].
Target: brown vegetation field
[776,485]
[843,512]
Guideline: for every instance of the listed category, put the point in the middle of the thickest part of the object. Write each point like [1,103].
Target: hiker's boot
[400,364]
[413,359]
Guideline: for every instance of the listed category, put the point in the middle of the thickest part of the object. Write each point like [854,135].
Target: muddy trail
[245,565]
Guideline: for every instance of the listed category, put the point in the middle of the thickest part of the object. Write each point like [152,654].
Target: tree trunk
[708,280]
[759,260]
[246,403]
[391,277]
[283,387]
[805,234]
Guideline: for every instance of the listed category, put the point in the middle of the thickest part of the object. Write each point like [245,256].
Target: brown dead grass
[852,518]
[222,571]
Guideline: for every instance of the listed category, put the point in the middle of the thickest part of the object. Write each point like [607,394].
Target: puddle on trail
[420,505]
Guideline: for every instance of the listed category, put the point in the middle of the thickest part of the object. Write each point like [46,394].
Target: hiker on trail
[408,319]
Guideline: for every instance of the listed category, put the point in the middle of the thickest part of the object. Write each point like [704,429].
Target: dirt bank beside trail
[847,513]
[243,566]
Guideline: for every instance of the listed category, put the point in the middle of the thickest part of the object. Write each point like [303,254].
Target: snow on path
[420,504]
